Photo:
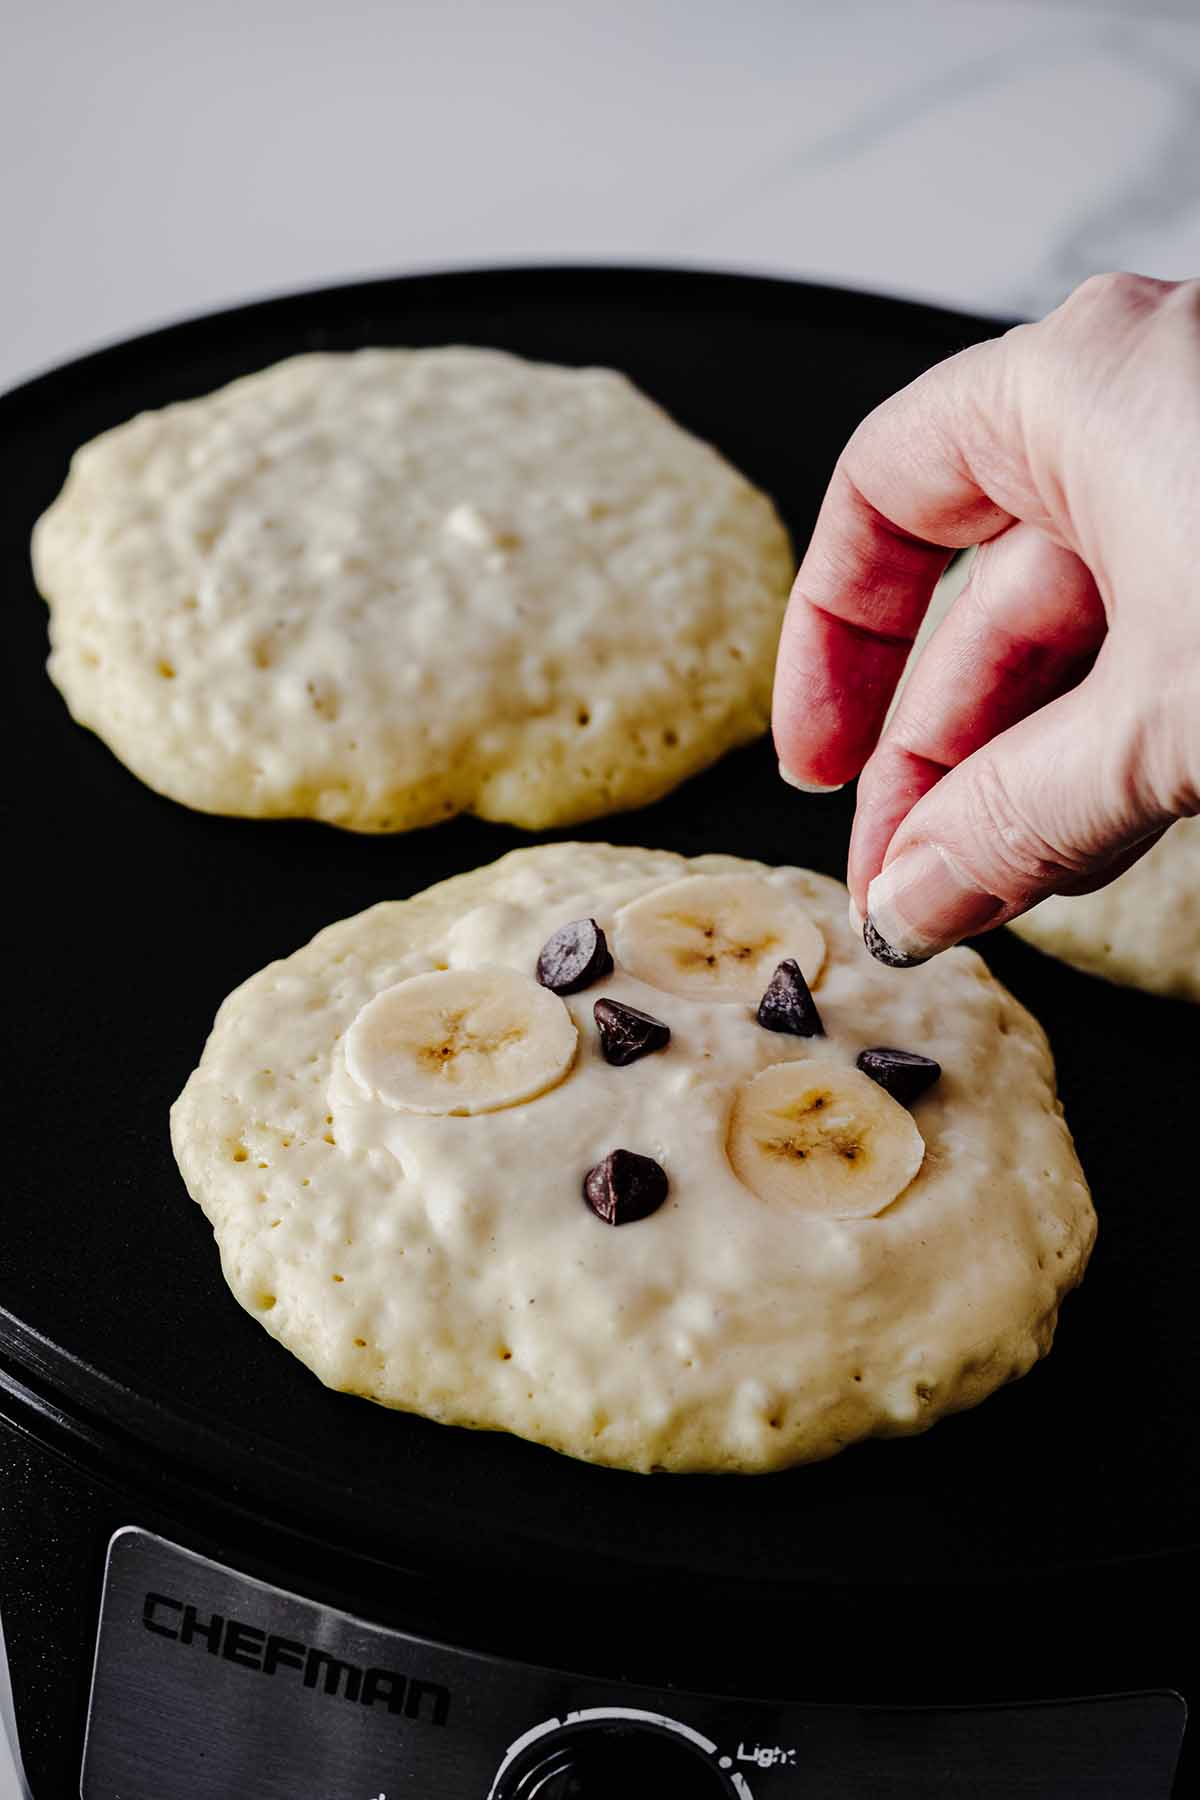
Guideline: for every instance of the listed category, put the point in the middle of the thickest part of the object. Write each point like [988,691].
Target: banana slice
[716,937]
[823,1138]
[461,1041]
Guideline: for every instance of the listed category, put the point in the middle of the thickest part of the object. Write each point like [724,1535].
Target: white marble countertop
[159,159]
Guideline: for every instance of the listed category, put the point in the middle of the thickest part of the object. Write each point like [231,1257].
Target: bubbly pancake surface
[447,1264]
[1142,930]
[383,587]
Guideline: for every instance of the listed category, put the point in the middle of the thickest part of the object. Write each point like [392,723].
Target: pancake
[457,1189]
[385,587]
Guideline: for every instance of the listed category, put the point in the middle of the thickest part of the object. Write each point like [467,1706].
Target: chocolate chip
[901,1073]
[626,1033]
[625,1187]
[882,951]
[573,957]
[788,1005]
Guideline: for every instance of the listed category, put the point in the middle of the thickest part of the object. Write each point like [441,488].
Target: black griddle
[130,918]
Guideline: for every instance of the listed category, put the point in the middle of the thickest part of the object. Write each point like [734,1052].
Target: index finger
[936,467]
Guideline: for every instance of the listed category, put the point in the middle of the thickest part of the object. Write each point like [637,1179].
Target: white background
[158,159]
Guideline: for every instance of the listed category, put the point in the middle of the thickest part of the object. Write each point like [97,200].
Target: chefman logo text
[252,1648]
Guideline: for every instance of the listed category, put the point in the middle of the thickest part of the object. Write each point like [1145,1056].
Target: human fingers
[931,469]
[1061,424]
[1021,632]
[1057,798]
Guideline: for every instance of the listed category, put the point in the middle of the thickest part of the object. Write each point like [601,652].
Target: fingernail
[856,919]
[922,903]
[809,787]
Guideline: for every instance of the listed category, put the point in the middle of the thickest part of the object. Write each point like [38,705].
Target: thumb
[1059,801]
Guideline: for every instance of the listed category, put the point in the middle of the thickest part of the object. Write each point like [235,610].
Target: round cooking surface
[131,918]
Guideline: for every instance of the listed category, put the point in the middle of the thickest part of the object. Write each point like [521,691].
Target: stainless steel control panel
[209,1684]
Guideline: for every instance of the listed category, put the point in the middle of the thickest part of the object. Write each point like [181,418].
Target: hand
[1051,728]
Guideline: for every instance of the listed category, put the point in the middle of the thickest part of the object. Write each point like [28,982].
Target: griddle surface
[131,918]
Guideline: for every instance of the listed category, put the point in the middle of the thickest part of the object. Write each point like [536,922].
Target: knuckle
[1119,292]
[1156,753]
[1184,297]
[1001,822]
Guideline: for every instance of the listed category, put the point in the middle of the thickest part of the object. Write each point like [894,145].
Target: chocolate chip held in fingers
[573,957]
[788,1004]
[626,1034]
[903,1073]
[625,1187]
[883,952]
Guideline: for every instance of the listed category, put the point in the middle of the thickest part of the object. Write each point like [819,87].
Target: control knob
[600,1757]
